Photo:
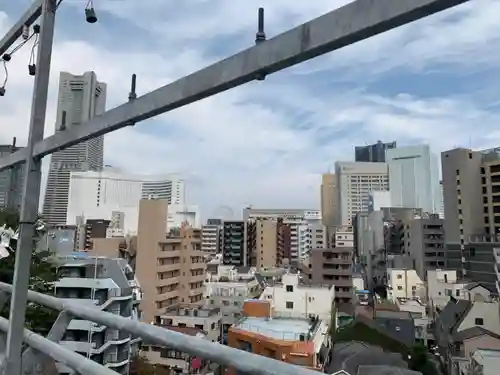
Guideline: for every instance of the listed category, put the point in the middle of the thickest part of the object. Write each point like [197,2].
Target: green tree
[419,361]
[42,277]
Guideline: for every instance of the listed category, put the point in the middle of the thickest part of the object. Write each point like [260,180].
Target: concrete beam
[352,23]
[28,18]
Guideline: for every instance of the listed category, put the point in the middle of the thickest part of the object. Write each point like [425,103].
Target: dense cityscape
[395,265]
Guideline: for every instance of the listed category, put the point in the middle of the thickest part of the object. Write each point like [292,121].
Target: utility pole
[31,191]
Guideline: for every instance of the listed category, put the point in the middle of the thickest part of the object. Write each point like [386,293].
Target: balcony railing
[242,361]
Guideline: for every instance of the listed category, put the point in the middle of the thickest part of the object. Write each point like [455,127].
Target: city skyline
[257,139]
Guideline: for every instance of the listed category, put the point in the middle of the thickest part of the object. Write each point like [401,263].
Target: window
[399,277]
[289,304]
[457,293]
[478,321]
[400,287]
[289,288]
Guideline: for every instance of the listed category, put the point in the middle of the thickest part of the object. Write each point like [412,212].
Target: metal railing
[242,361]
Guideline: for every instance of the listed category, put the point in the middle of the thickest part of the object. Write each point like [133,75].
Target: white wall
[178,214]
[306,299]
[403,283]
[487,311]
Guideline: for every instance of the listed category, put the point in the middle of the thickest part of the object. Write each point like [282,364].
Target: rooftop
[286,329]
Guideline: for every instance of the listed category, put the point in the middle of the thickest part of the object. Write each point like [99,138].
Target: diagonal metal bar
[352,23]
[243,361]
[68,357]
[32,358]
[28,18]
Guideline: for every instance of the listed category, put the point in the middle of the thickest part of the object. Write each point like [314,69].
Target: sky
[265,144]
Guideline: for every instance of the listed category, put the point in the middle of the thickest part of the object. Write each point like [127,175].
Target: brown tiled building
[170,267]
[299,341]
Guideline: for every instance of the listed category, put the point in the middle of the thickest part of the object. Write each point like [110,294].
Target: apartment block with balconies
[110,285]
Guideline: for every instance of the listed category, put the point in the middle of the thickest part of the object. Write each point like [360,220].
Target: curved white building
[104,194]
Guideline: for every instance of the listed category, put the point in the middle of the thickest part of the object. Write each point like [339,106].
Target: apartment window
[457,293]
[399,277]
[289,305]
[478,321]
[289,288]
[400,287]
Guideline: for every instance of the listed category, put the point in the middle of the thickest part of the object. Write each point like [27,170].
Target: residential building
[299,340]
[373,153]
[462,328]
[235,244]
[228,295]
[210,238]
[490,189]
[463,207]
[293,297]
[179,215]
[80,98]
[170,266]
[422,322]
[414,177]
[192,320]
[109,284]
[334,266]
[443,284]
[355,181]
[11,180]
[404,283]
[475,260]
[102,194]
[265,253]
[293,218]
[441,201]
[329,200]
[484,362]
[379,200]
[425,243]
[353,357]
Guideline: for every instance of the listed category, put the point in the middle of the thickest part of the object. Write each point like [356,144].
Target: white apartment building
[355,181]
[291,297]
[101,194]
[414,177]
[379,200]
[404,283]
[443,284]
[80,98]
[210,238]
[295,218]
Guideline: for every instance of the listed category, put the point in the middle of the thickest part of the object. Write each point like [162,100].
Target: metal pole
[31,192]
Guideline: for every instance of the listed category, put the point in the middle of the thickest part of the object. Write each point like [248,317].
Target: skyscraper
[80,98]
[373,153]
[11,180]
[329,200]
[414,178]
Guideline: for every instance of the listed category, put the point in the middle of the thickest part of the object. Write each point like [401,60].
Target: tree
[42,277]
[419,361]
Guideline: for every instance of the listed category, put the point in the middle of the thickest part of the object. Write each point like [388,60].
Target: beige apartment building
[266,243]
[329,200]
[169,266]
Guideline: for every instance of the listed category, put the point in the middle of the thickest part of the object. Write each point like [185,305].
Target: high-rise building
[169,266]
[463,205]
[237,235]
[80,98]
[355,181]
[11,180]
[414,178]
[373,153]
[210,238]
[441,200]
[100,194]
[329,200]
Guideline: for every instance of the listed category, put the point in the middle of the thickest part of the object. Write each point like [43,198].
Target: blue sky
[435,81]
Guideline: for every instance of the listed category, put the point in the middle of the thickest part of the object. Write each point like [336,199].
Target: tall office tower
[373,153]
[355,181]
[11,180]
[329,200]
[80,98]
[414,178]
[463,207]
[98,194]
[441,201]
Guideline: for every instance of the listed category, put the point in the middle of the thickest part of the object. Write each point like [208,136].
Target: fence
[32,362]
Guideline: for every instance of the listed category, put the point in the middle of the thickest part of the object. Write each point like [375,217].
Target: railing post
[34,361]
[31,192]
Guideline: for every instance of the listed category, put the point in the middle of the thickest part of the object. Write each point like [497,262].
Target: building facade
[355,182]
[373,153]
[80,98]
[414,178]
[329,200]
[109,284]
[11,180]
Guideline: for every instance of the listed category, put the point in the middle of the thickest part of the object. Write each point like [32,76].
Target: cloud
[267,143]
